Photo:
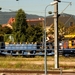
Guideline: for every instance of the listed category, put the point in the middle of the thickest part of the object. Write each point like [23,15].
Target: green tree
[7,30]
[34,33]
[1,30]
[38,33]
[19,26]
[1,34]
[30,33]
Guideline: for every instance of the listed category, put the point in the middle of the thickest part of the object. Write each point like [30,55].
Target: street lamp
[54,2]
[45,57]
[56,44]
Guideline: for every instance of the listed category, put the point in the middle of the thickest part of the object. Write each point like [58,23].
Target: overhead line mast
[56,43]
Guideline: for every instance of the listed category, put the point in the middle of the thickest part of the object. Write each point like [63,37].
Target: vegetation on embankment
[34,63]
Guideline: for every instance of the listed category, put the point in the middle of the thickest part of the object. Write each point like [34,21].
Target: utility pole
[56,41]
[56,45]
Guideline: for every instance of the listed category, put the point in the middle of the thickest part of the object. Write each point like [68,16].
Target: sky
[37,7]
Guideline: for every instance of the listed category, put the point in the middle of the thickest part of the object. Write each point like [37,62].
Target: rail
[53,72]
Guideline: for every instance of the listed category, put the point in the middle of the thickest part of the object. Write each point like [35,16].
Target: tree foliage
[51,30]
[61,30]
[20,26]
[23,32]
[34,33]
[1,34]
[38,33]
[30,33]
[7,30]
[70,29]
[3,31]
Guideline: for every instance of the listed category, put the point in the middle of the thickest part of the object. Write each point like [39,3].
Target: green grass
[20,62]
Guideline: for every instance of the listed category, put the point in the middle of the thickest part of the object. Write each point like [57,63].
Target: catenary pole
[56,46]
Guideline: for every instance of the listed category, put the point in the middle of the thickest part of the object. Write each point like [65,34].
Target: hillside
[4,16]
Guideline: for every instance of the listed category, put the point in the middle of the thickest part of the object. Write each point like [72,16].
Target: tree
[30,33]
[51,30]
[34,33]
[7,30]
[1,30]
[19,26]
[38,33]
[70,30]
[1,34]
[61,30]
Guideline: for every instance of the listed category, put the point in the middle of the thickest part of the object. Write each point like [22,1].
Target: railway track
[24,72]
